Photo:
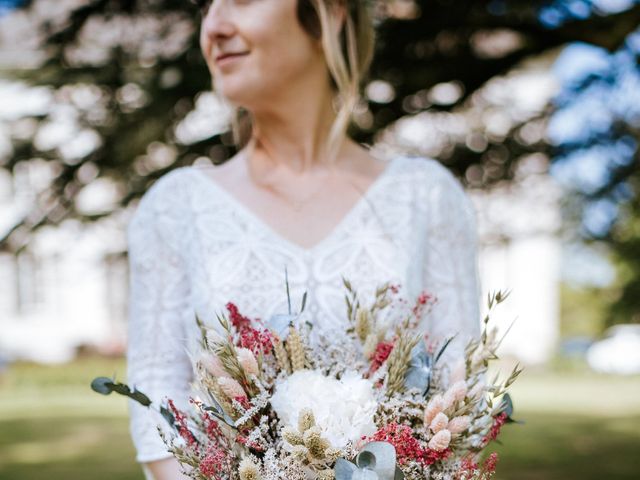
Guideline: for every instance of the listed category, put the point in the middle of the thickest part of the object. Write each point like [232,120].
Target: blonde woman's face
[270,50]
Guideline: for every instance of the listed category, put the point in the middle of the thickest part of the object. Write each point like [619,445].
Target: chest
[235,257]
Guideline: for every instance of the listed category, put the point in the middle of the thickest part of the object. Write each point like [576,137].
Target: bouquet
[374,402]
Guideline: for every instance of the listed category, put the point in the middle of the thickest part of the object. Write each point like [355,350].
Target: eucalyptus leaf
[366,459]
[168,416]
[140,397]
[376,461]
[420,369]
[102,385]
[507,404]
[344,469]
[105,386]
[507,407]
[365,474]
[219,413]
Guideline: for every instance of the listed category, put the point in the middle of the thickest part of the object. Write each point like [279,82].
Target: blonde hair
[348,50]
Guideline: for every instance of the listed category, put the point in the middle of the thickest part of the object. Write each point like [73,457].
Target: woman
[299,194]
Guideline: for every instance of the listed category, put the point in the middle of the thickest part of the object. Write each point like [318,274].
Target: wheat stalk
[399,362]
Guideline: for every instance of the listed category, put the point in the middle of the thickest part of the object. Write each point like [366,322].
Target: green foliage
[431,44]
[625,243]
[583,310]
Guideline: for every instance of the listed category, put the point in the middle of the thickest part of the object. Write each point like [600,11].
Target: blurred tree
[131,71]
[624,238]
[594,134]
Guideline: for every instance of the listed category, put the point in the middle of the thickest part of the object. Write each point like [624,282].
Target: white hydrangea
[343,409]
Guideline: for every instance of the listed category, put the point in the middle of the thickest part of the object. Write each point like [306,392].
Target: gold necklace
[297,204]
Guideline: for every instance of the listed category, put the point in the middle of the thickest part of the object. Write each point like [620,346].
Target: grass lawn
[52,426]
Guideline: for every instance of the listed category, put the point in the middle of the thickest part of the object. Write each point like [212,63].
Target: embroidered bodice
[193,247]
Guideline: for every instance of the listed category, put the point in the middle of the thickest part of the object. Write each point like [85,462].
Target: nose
[217,23]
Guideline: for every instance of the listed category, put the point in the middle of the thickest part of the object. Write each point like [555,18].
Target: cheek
[205,47]
[283,52]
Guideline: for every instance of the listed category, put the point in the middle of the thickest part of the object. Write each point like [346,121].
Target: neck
[292,131]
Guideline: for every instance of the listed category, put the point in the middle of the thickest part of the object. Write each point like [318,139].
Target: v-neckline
[271,231]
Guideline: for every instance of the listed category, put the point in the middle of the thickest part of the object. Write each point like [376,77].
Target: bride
[299,194]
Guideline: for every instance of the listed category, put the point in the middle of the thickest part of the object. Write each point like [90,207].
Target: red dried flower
[490,463]
[407,446]
[382,352]
[238,320]
[498,421]
[183,430]
[256,340]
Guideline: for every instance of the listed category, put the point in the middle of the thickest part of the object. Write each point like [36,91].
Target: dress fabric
[193,247]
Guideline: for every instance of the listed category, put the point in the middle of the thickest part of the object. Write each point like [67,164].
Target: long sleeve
[450,269]
[159,305]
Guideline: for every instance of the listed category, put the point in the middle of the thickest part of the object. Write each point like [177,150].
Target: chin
[240,94]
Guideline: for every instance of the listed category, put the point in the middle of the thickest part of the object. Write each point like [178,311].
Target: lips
[226,55]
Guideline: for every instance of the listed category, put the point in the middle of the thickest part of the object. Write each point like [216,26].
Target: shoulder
[430,175]
[164,200]
[438,189]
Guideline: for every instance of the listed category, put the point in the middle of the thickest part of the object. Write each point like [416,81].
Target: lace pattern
[193,248]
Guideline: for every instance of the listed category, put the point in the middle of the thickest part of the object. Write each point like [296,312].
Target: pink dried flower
[421,303]
[440,422]
[459,424]
[440,440]
[459,371]
[231,388]
[434,407]
[455,393]
[248,361]
[213,365]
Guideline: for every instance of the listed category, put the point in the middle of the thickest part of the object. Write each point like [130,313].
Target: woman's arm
[451,266]
[166,469]
[159,308]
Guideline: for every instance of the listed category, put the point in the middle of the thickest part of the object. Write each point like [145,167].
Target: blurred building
[519,227]
[66,290]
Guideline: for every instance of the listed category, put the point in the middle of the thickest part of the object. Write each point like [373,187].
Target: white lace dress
[193,247]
